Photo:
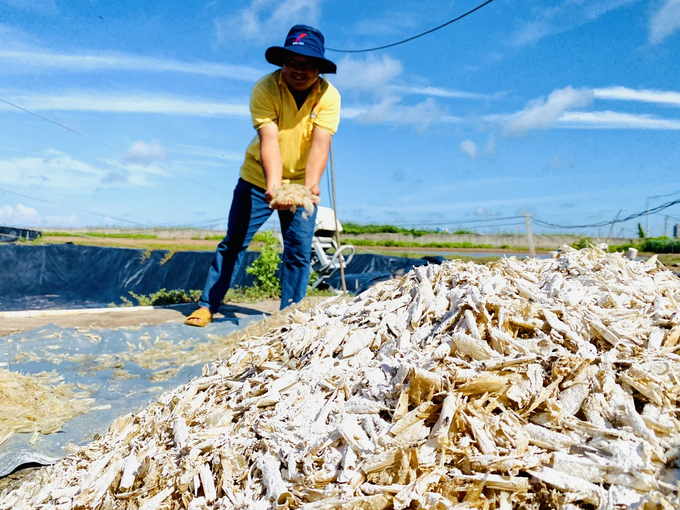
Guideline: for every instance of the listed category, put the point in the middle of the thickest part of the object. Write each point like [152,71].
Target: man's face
[299,72]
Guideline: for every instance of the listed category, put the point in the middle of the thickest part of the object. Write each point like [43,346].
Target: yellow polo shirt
[272,102]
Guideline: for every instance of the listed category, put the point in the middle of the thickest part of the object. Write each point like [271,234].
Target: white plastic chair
[326,254]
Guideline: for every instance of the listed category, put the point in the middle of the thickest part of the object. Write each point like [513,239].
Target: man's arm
[316,162]
[270,152]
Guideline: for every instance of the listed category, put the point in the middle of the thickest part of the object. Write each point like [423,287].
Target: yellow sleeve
[328,110]
[263,105]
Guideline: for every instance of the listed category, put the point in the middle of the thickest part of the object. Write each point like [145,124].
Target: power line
[415,36]
[611,222]
[107,144]
[74,207]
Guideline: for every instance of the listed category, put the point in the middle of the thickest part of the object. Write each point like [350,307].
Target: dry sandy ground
[111,318]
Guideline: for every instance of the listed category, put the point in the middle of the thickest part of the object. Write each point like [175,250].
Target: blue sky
[567,110]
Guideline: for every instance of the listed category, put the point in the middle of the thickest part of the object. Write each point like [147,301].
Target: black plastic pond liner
[73,276]
[11,234]
[366,269]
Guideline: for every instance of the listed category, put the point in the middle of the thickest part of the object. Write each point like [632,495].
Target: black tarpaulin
[73,276]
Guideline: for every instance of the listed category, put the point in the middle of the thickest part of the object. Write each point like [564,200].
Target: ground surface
[111,318]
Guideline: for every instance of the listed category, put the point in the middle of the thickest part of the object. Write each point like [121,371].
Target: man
[295,113]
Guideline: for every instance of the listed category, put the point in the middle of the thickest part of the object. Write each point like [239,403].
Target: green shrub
[660,245]
[355,228]
[651,245]
[583,242]
[264,268]
[163,298]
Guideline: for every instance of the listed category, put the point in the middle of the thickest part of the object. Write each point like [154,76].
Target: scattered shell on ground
[519,384]
[39,403]
[297,194]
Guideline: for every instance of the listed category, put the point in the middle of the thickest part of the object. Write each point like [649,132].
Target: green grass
[355,228]
[100,234]
[413,244]
[651,245]
[170,245]
[178,296]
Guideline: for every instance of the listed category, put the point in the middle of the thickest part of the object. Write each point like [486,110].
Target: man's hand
[278,206]
[315,191]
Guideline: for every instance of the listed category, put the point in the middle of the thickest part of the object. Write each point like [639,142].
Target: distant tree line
[355,228]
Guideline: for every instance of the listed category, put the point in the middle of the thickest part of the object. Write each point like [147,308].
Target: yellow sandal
[200,318]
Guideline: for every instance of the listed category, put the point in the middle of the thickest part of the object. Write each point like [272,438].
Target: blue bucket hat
[302,40]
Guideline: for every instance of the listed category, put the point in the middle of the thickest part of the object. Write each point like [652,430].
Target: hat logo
[297,39]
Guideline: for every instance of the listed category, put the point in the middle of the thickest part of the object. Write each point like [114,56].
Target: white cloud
[21,217]
[646,96]
[439,92]
[117,103]
[57,221]
[353,112]
[56,170]
[421,115]
[665,21]
[28,217]
[469,147]
[556,19]
[263,18]
[381,112]
[373,75]
[59,172]
[369,74]
[616,120]
[146,152]
[542,113]
[22,61]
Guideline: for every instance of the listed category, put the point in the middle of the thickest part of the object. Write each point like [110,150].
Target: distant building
[676,230]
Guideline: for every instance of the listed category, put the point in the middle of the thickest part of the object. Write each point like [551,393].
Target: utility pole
[665,226]
[647,216]
[612,227]
[530,237]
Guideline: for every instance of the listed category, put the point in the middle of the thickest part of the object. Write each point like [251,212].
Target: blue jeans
[249,211]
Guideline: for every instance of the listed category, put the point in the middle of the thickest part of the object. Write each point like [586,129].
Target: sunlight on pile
[520,384]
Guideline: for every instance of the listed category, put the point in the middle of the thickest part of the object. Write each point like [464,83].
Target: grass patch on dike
[101,234]
[355,228]
[413,244]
